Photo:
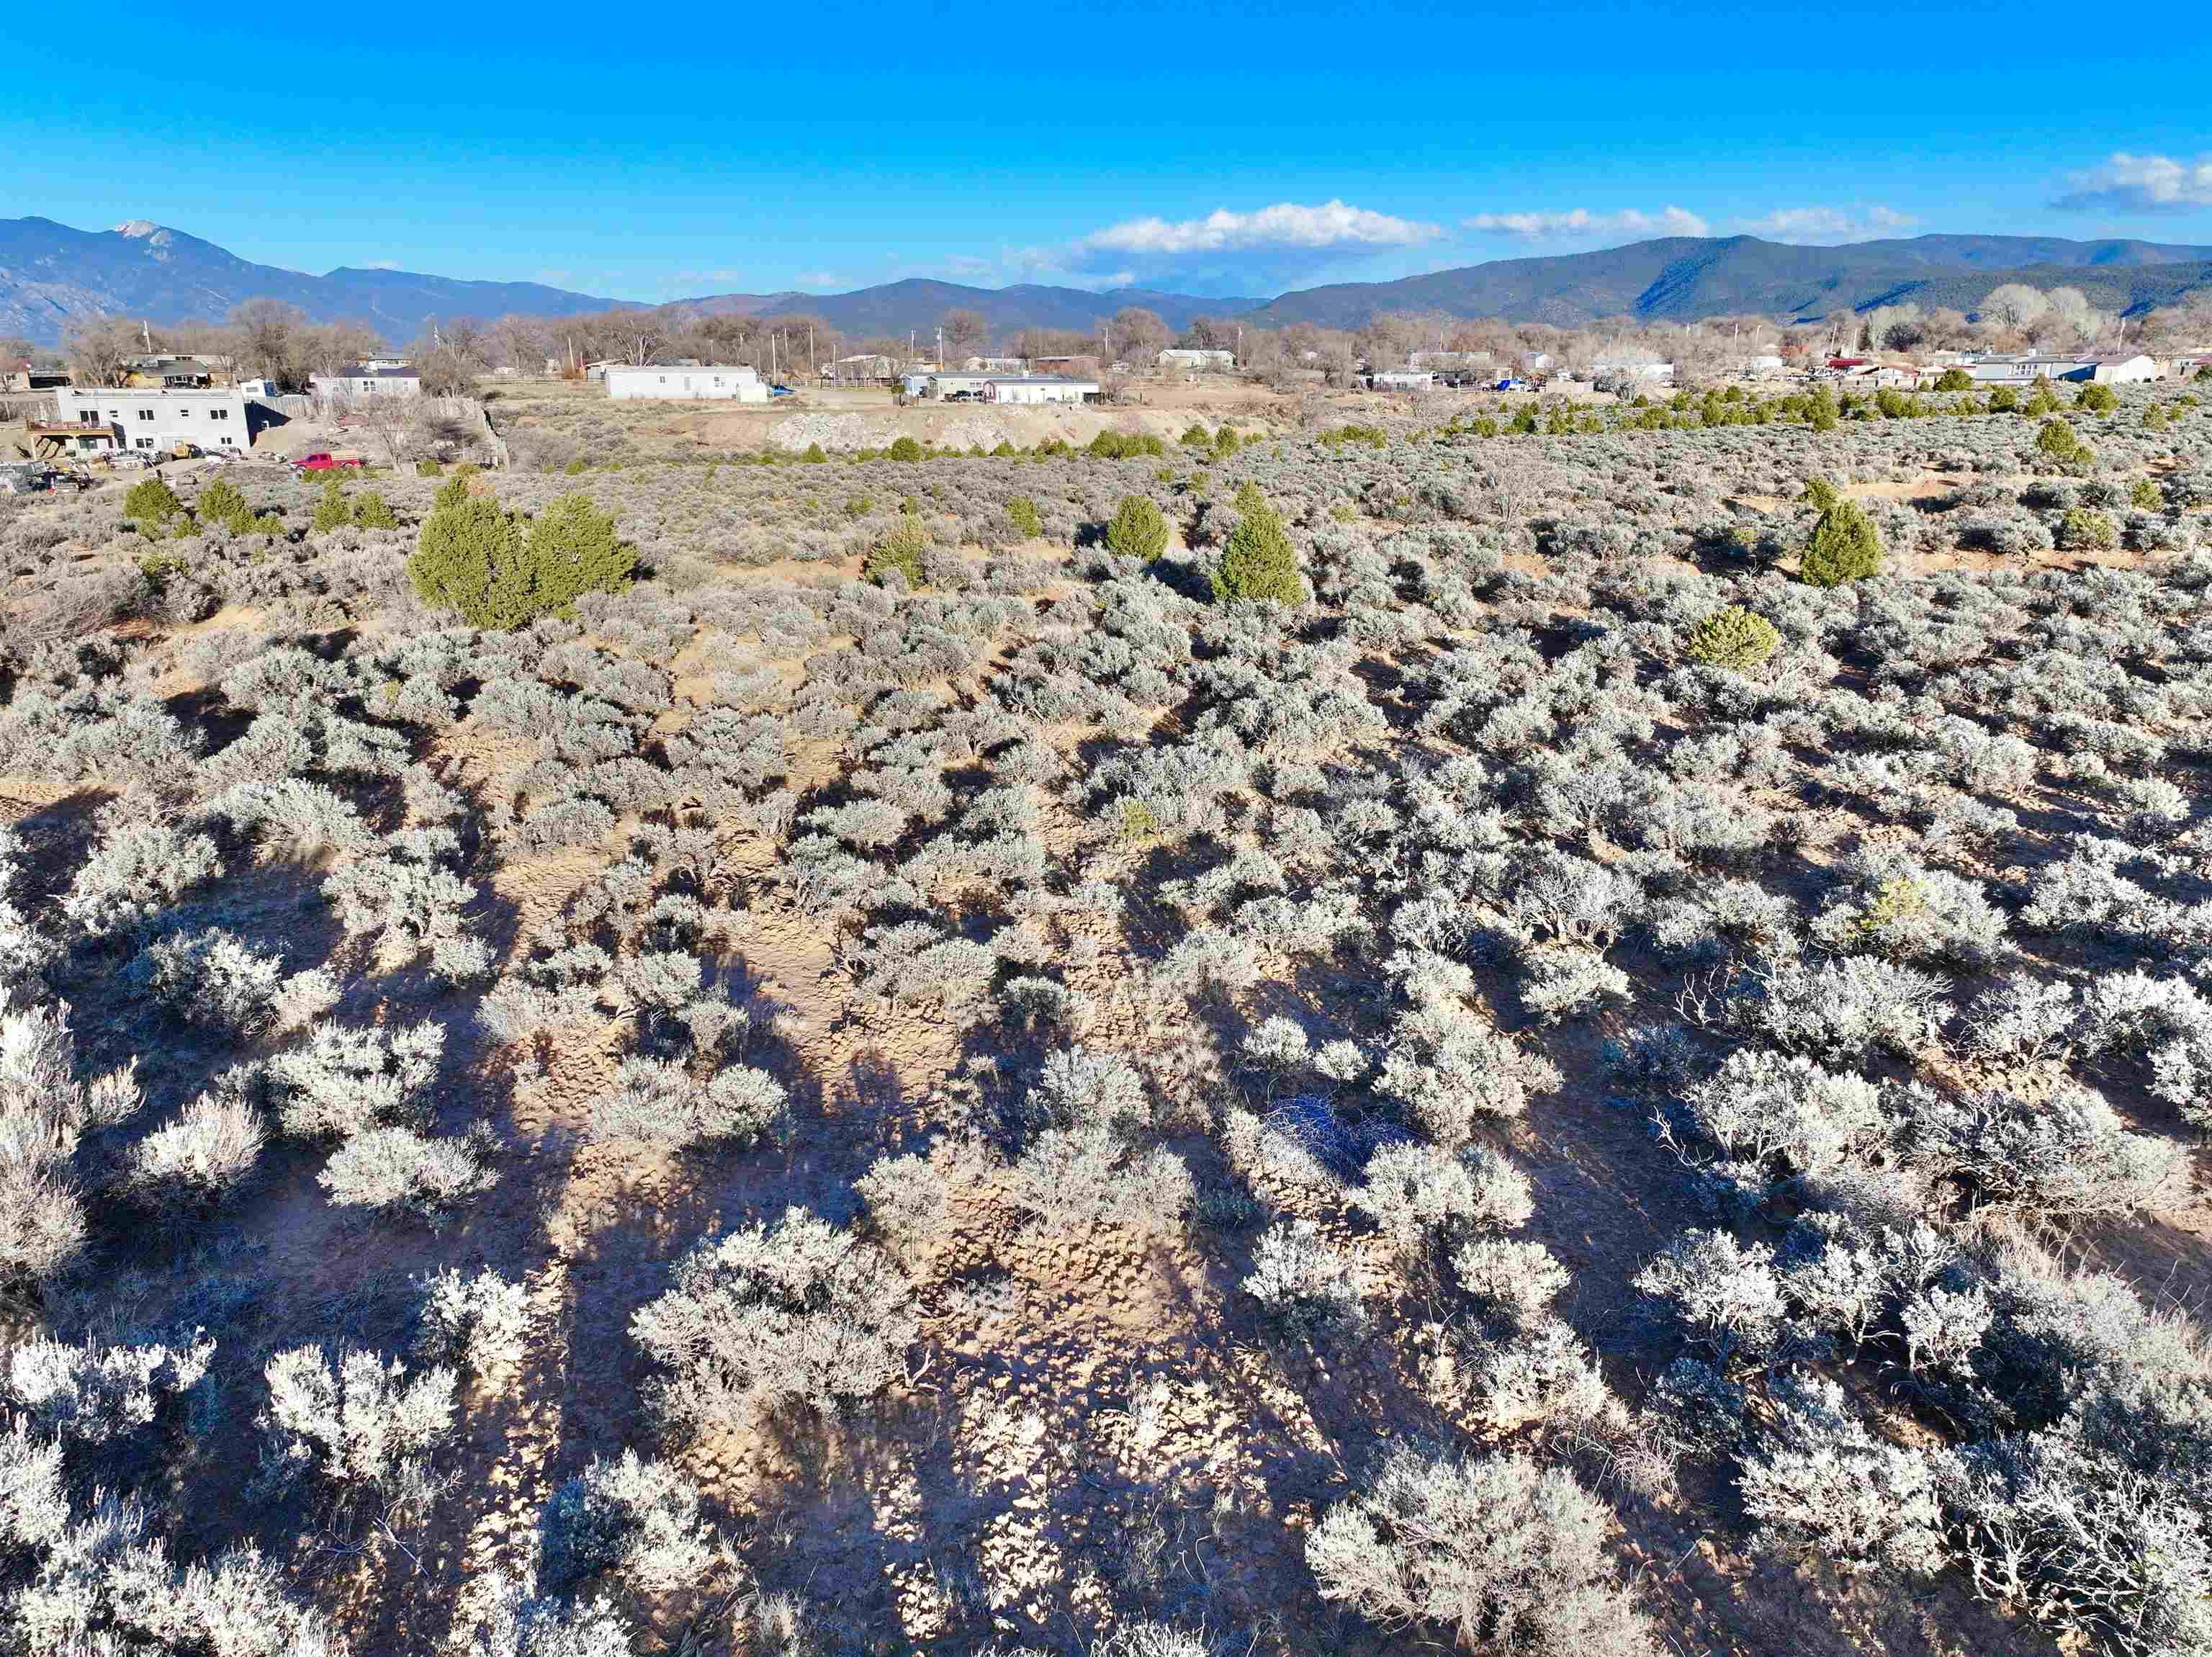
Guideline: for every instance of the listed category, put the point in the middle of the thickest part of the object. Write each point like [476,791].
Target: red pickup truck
[320,461]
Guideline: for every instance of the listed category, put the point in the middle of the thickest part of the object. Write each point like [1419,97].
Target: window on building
[144,442]
[218,414]
[145,414]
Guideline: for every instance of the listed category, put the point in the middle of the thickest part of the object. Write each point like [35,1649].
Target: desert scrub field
[1558,1041]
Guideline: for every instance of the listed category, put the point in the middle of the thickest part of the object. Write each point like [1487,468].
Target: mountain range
[1681,278]
[51,274]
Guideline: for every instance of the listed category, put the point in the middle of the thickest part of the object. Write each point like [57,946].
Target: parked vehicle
[781,391]
[321,461]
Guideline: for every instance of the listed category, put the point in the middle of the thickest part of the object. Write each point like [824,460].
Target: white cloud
[1825,224]
[1333,224]
[2141,184]
[1669,221]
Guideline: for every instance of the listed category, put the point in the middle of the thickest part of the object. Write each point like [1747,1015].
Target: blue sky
[1234,150]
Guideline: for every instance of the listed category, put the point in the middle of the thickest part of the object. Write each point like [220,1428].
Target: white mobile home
[970,381]
[1037,388]
[1403,380]
[1190,357]
[363,380]
[2027,370]
[655,379]
[148,420]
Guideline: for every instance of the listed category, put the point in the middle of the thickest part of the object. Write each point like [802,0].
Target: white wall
[697,385]
[1068,393]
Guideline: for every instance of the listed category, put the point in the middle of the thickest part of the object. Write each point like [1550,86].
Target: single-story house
[1767,364]
[971,380]
[2127,371]
[1659,373]
[141,419]
[866,365]
[166,373]
[997,364]
[23,377]
[2027,370]
[1403,380]
[1037,388]
[376,362]
[1207,361]
[711,383]
[359,380]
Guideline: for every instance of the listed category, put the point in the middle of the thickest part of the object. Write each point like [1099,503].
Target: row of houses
[1988,370]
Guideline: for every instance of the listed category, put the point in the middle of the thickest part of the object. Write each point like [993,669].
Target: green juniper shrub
[905,448]
[577,467]
[373,511]
[2004,401]
[427,467]
[151,504]
[1953,379]
[901,549]
[1845,547]
[1259,562]
[1022,514]
[1136,530]
[2143,496]
[2098,399]
[814,456]
[333,510]
[2083,528]
[2058,442]
[1734,638]
[503,569]
[223,503]
[1197,436]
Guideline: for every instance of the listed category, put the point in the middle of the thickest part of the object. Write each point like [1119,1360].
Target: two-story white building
[707,384]
[149,420]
